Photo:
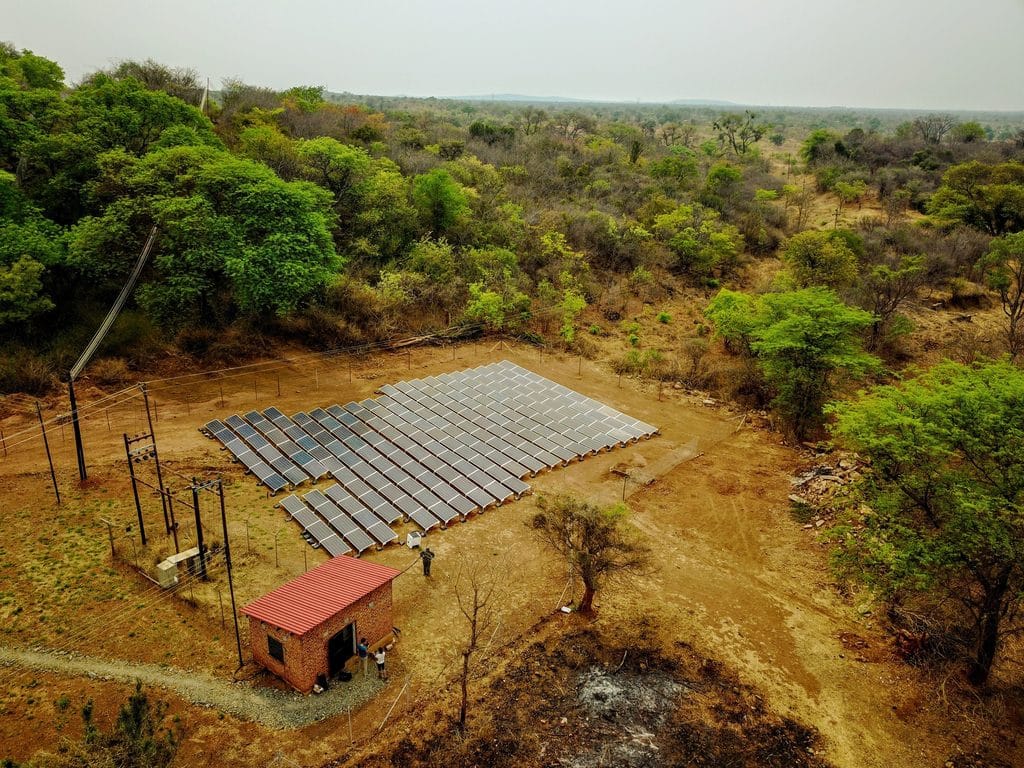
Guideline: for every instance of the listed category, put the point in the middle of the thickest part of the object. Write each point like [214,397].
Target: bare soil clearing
[734,575]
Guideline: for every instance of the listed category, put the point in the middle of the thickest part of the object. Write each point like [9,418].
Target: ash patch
[624,714]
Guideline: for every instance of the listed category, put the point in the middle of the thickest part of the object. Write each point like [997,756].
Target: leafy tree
[533,119]
[819,147]
[593,540]
[571,306]
[802,340]
[989,198]
[946,490]
[180,82]
[28,71]
[29,245]
[678,167]
[739,131]
[886,287]
[231,234]
[702,244]
[375,218]
[485,307]
[491,133]
[816,257]
[850,192]
[969,132]
[56,167]
[265,143]
[1003,266]
[441,201]
[722,187]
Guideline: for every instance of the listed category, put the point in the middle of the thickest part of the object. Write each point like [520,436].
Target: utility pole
[49,456]
[94,343]
[156,458]
[135,487]
[79,449]
[199,530]
[227,560]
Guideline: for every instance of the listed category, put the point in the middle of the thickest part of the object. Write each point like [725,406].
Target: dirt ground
[735,575]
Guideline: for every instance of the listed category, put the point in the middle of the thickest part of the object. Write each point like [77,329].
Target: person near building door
[363,649]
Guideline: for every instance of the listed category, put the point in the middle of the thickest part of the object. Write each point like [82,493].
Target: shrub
[664,318]
[109,370]
[23,371]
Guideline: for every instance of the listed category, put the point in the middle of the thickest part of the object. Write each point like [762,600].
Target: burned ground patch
[574,699]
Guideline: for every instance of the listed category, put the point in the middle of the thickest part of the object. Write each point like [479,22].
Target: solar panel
[430,449]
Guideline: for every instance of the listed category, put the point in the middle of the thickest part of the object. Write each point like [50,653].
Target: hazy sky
[915,54]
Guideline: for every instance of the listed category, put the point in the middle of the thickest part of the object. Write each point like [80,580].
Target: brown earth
[735,576]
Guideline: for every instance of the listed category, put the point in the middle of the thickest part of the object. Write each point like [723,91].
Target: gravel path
[268,706]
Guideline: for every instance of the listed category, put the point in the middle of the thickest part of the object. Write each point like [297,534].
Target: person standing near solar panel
[426,556]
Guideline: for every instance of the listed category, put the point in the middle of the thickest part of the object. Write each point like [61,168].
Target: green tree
[593,540]
[179,82]
[738,131]
[819,147]
[28,71]
[703,246]
[571,306]
[802,341]
[375,218]
[816,257]
[232,235]
[57,167]
[969,132]
[441,201]
[946,490]
[989,198]
[1003,266]
[885,288]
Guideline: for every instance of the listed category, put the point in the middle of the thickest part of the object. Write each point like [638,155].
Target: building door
[340,649]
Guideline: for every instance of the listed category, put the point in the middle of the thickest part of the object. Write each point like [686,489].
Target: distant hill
[525,98]
[519,97]
[703,103]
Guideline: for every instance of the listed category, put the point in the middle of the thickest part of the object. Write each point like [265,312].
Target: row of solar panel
[431,449]
[328,520]
[430,488]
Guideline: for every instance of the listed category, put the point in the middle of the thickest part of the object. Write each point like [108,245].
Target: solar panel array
[430,450]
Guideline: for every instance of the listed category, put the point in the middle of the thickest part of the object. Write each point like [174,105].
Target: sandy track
[269,707]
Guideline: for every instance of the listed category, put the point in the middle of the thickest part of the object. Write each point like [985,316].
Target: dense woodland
[302,217]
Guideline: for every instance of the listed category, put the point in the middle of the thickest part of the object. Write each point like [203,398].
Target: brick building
[310,626]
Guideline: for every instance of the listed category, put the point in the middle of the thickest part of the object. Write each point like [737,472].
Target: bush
[196,341]
[664,318]
[109,370]
[24,371]
[646,364]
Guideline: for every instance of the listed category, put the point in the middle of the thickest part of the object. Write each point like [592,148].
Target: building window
[275,648]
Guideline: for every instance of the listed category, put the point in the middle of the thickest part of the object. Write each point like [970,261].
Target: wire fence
[194,398]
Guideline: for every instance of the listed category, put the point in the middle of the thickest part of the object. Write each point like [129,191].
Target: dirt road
[270,707]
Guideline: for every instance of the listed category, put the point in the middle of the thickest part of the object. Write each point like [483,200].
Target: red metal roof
[308,601]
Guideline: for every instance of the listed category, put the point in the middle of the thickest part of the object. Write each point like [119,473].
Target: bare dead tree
[476,587]
[932,128]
